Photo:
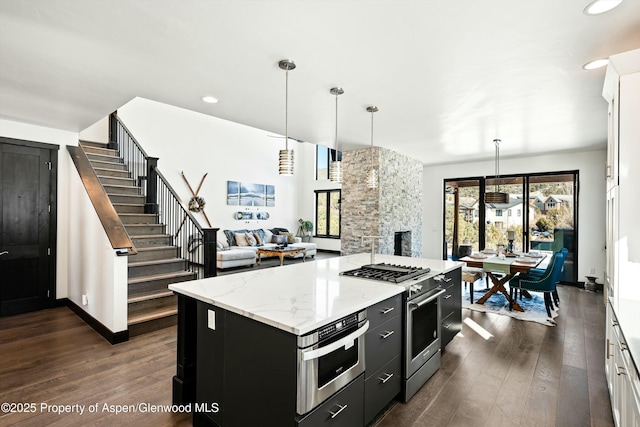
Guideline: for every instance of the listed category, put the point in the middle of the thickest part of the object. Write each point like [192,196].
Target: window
[537,227]
[328,213]
[324,156]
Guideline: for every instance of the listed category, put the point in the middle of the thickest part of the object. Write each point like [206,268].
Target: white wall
[80,269]
[198,144]
[97,132]
[94,268]
[591,199]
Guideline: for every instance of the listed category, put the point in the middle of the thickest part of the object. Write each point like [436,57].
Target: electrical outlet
[592,270]
[85,300]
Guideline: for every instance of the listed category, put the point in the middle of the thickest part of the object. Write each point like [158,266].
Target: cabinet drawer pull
[446,325]
[387,310]
[448,296]
[386,334]
[609,343]
[335,414]
[386,378]
[623,346]
[620,371]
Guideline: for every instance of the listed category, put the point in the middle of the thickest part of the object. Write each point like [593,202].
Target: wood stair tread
[151,315]
[150,295]
[160,261]
[177,274]
[149,236]
[155,248]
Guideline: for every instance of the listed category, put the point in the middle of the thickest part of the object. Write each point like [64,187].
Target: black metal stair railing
[197,245]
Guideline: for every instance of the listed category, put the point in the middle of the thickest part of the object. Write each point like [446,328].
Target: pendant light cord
[286,111]
[372,139]
[497,142]
[337,124]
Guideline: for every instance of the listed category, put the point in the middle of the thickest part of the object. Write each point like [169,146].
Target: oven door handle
[342,342]
[414,305]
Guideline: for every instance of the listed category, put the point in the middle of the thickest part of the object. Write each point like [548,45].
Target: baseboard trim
[112,337]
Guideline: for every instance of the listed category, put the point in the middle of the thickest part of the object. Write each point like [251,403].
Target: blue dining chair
[541,280]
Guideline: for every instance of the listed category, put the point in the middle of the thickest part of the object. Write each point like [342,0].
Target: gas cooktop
[387,272]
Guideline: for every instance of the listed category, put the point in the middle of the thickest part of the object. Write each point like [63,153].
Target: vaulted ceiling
[447,76]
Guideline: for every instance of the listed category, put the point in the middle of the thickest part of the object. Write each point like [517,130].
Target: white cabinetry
[622,376]
[622,91]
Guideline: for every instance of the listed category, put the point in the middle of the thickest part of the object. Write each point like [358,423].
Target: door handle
[344,341]
[4,253]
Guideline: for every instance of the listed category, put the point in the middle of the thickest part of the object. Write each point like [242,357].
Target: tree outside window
[328,213]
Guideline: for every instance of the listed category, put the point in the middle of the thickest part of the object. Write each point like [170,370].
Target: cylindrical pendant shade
[285,162]
[335,171]
[495,197]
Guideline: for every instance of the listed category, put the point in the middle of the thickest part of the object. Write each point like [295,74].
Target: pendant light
[497,196]
[335,168]
[285,159]
[372,175]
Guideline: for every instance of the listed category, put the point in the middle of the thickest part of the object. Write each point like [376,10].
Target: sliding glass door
[554,218]
[506,220]
[462,233]
[540,215]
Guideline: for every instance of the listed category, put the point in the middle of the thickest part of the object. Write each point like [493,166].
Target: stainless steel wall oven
[329,359]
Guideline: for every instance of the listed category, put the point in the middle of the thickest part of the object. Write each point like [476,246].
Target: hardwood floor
[526,374]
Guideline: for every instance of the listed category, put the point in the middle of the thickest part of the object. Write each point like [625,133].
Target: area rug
[534,310]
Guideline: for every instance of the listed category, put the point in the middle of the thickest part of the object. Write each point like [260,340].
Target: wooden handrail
[116,232]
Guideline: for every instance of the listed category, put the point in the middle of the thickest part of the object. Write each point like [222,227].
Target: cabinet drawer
[451,325]
[343,409]
[451,300]
[384,310]
[383,344]
[381,387]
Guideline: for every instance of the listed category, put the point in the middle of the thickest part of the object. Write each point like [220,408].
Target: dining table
[501,269]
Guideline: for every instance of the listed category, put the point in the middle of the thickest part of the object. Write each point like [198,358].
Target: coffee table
[289,251]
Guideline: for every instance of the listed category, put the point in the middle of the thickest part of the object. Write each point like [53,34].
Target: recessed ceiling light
[209,99]
[598,63]
[597,7]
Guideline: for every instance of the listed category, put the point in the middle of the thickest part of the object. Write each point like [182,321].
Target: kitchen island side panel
[254,370]
[208,409]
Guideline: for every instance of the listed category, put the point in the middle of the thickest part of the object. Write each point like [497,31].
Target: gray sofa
[235,247]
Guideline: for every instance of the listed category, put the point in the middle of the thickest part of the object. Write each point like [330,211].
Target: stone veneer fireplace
[396,205]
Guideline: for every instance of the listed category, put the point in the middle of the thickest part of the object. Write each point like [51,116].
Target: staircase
[151,305]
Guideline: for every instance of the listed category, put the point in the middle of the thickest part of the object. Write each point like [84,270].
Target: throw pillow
[241,239]
[260,233]
[279,238]
[250,239]
[290,237]
[267,236]
[258,238]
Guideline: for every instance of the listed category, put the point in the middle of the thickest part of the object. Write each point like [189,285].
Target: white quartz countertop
[300,298]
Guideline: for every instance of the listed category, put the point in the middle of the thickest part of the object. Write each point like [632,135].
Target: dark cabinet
[451,306]
[383,345]
[343,409]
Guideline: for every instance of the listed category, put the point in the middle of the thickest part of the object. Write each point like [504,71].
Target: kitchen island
[238,335]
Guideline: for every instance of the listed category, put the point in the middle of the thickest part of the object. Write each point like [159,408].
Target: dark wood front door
[27,281]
